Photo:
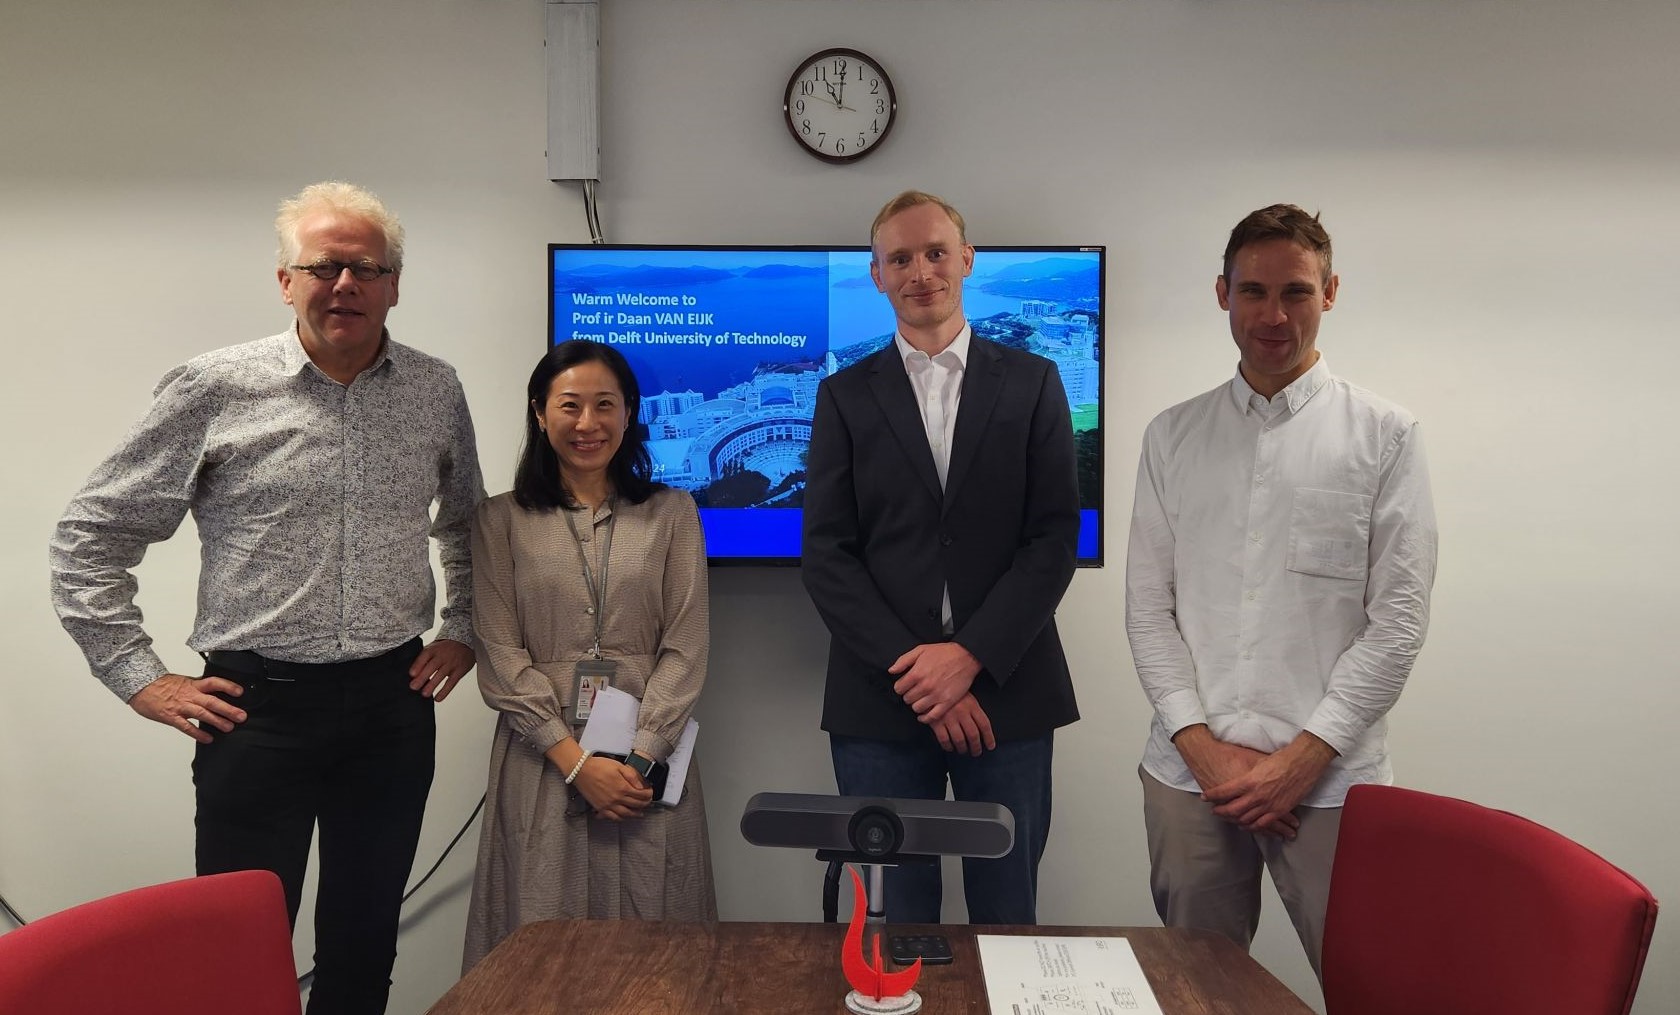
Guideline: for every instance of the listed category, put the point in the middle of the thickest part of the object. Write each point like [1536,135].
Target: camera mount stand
[875,878]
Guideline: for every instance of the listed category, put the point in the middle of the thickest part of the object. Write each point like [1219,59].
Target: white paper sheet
[1064,975]
[612,728]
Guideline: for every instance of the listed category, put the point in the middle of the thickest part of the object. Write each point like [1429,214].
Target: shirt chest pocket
[1330,534]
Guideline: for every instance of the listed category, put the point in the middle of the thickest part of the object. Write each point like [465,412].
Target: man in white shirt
[1277,592]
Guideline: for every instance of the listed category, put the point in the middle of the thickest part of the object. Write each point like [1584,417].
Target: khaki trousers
[1205,872]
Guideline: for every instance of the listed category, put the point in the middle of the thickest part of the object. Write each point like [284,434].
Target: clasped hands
[934,680]
[1254,790]
[612,789]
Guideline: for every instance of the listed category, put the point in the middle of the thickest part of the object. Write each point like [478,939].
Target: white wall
[1498,175]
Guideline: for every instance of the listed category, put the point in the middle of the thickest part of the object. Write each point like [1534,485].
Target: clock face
[839,105]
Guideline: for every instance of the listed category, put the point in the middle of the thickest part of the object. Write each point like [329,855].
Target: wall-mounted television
[729,343]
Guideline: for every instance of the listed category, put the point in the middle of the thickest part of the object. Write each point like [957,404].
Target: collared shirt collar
[1298,393]
[294,358]
[957,348]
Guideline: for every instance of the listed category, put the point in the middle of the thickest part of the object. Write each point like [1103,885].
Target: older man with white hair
[310,462]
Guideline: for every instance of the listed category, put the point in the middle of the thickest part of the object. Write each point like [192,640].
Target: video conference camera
[878,830]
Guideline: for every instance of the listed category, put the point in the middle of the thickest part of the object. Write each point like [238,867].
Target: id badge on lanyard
[592,672]
[591,675]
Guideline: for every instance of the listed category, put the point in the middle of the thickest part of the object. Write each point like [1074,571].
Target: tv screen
[729,344]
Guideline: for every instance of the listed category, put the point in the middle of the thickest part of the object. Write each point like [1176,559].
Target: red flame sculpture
[870,978]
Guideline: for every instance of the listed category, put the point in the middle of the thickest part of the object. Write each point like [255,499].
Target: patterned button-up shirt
[313,504]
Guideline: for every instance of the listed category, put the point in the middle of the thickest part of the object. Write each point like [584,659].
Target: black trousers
[346,746]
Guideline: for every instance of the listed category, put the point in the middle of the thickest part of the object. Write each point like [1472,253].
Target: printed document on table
[1063,976]
[612,727]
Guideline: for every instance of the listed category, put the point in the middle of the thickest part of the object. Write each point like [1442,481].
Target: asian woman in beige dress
[583,513]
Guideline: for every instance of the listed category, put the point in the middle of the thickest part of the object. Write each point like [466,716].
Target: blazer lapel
[891,386]
[982,382]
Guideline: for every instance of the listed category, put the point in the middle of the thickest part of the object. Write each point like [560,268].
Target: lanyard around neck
[597,595]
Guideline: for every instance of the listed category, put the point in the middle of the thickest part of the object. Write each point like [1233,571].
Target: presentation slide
[729,345]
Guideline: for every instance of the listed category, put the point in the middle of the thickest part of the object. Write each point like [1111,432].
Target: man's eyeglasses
[327,271]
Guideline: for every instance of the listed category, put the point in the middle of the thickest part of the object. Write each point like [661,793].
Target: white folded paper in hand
[612,728]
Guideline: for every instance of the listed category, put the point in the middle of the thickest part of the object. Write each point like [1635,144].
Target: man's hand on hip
[933,677]
[439,667]
[175,701]
[1274,786]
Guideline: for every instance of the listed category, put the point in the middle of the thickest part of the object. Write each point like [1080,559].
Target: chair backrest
[214,944]
[1442,906]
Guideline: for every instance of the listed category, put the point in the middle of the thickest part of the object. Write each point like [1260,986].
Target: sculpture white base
[903,1004]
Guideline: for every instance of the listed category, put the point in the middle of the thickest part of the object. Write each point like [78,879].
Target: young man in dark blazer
[941,523]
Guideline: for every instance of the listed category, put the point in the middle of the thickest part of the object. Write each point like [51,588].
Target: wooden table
[627,967]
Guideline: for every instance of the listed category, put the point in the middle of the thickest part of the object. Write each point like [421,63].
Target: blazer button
[944,539]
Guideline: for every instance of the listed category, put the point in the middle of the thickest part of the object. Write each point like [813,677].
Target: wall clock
[839,105]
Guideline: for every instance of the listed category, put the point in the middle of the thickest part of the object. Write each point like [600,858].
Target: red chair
[1442,906]
[203,946]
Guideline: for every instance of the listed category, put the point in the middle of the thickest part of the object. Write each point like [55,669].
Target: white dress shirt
[1278,573]
[937,381]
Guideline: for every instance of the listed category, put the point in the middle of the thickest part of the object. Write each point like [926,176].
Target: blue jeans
[1016,775]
